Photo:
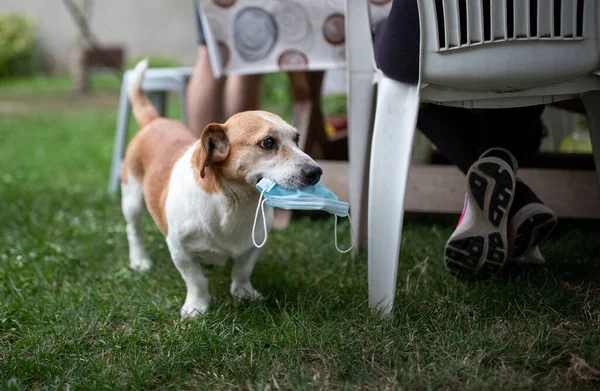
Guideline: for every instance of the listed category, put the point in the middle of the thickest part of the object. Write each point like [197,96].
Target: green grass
[73,316]
[277,97]
[276,92]
[59,84]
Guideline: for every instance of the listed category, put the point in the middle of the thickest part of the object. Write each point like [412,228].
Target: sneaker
[527,229]
[479,246]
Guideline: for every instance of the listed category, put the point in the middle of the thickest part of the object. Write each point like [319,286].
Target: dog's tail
[143,110]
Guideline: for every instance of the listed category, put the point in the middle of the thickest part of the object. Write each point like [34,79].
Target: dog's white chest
[218,234]
[209,225]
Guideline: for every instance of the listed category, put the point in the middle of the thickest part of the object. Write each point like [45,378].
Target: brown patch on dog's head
[212,149]
[214,146]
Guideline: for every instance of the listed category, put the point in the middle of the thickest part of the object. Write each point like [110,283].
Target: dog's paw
[190,311]
[245,292]
[141,264]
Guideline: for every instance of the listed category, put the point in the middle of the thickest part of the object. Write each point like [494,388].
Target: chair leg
[159,100]
[183,98]
[360,106]
[120,138]
[360,70]
[395,123]
[591,101]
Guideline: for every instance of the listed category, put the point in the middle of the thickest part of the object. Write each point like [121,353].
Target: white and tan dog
[201,193]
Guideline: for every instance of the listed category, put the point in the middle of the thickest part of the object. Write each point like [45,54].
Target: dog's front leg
[198,298]
[241,287]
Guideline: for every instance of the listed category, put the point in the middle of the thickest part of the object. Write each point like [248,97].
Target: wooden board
[441,189]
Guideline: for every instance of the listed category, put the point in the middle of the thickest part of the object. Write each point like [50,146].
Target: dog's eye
[297,139]
[267,143]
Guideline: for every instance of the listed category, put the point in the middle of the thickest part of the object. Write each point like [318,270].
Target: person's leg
[518,130]
[204,98]
[463,135]
[204,95]
[456,132]
[242,93]
[478,246]
[509,137]
[486,233]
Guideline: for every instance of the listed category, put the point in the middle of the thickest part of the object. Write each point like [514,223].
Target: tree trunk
[77,67]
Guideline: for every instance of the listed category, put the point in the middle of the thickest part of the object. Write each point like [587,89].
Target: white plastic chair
[494,71]
[157,82]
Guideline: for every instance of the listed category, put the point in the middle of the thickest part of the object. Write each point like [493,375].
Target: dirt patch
[27,104]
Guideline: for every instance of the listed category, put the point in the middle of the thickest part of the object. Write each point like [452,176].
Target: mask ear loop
[336,236]
[261,207]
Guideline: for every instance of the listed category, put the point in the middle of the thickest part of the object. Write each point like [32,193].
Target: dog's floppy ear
[214,146]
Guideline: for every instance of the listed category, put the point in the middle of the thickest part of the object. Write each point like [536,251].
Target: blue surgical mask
[316,197]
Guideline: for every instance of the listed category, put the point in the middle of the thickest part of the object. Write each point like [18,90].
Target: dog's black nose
[312,174]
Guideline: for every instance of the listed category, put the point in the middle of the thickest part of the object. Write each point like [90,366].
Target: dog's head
[256,144]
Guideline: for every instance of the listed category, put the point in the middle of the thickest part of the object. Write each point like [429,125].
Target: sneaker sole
[532,232]
[481,249]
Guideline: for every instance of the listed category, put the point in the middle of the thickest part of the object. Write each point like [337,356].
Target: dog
[202,193]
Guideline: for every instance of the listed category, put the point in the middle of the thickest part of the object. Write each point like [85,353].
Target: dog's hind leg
[132,203]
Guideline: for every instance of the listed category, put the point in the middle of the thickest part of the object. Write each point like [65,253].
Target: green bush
[581,119]
[334,105]
[17,46]
[153,62]
[277,95]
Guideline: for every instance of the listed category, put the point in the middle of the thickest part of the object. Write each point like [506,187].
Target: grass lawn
[73,316]
[42,84]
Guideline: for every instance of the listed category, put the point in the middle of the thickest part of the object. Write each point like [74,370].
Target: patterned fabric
[260,36]
[200,36]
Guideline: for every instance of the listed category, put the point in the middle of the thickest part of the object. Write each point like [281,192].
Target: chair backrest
[507,45]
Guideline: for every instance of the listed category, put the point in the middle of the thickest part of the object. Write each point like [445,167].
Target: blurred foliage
[277,95]
[581,119]
[334,105]
[579,140]
[154,61]
[277,98]
[17,46]
[41,84]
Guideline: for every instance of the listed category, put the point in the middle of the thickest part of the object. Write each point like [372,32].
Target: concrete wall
[143,27]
